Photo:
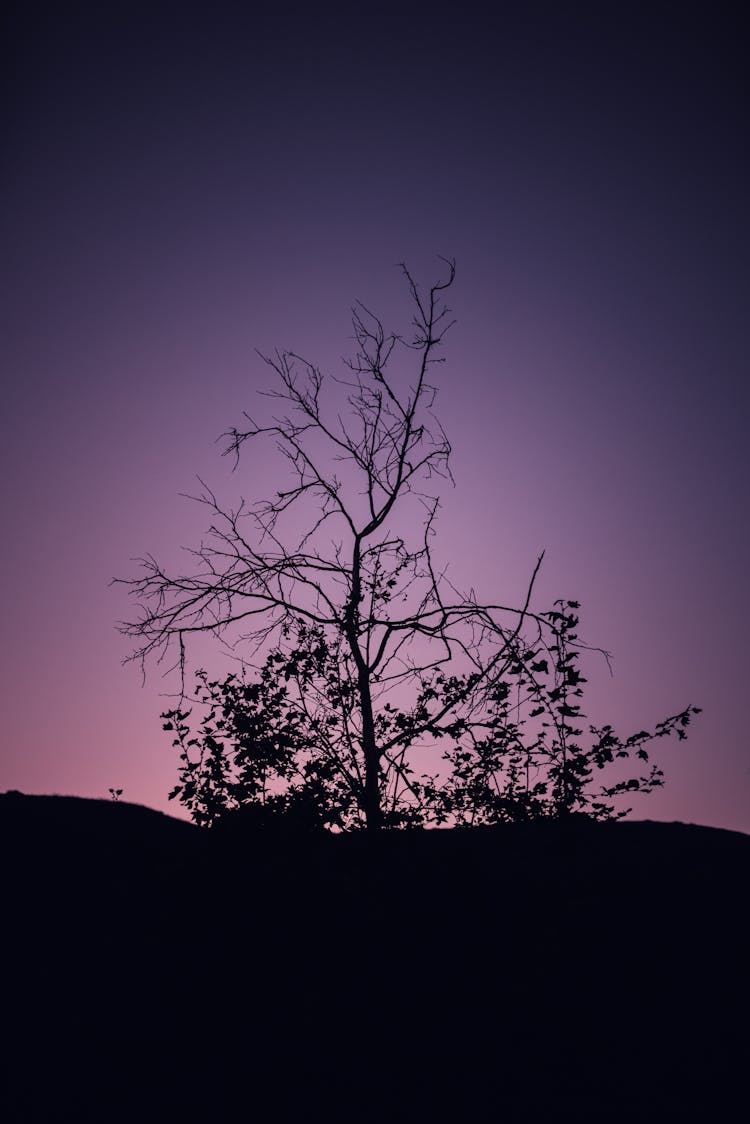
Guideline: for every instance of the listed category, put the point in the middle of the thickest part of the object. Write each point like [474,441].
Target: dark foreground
[557,972]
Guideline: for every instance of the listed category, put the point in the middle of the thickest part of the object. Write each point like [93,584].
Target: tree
[370,652]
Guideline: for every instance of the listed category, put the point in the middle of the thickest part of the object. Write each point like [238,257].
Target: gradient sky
[181,186]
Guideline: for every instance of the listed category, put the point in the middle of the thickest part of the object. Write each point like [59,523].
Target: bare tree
[370,651]
[336,549]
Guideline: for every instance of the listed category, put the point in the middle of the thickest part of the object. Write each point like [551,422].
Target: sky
[183,185]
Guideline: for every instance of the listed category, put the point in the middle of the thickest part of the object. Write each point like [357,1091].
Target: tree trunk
[373,811]
[371,795]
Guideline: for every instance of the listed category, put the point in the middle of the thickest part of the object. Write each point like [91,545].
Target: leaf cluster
[509,748]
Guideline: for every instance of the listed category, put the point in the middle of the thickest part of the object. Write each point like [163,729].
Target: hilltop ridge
[567,971]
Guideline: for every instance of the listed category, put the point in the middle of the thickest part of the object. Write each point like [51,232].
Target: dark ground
[555,972]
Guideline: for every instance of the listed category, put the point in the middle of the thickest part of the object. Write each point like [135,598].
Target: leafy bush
[288,740]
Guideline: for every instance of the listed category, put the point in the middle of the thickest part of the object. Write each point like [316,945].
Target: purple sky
[181,189]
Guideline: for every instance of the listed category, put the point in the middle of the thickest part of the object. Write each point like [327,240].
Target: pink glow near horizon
[592,388]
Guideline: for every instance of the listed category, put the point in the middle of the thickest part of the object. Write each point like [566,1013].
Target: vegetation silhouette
[370,655]
[552,970]
[268,745]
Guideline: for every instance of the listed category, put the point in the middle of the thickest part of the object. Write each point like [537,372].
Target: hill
[555,971]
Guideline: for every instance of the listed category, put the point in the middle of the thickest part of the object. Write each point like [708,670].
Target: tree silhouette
[371,653]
